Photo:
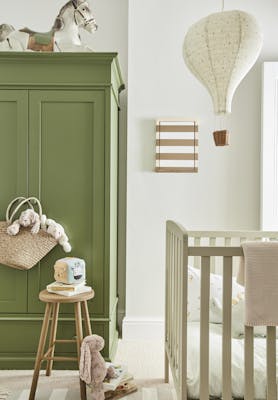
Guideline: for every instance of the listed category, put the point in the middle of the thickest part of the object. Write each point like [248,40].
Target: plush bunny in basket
[27,218]
[26,240]
[30,218]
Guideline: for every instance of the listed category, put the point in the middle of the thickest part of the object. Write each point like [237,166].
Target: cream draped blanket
[259,273]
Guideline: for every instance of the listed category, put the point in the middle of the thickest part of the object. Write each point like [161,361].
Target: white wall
[225,193]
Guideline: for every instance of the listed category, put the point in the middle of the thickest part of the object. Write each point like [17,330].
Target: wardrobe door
[66,171]
[14,182]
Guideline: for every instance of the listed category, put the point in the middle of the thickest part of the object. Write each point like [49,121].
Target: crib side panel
[176,307]
[211,252]
[207,254]
[227,254]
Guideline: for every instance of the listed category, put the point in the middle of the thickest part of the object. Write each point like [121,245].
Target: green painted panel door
[66,171]
[13,180]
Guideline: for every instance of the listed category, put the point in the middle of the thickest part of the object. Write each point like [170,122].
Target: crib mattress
[215,362]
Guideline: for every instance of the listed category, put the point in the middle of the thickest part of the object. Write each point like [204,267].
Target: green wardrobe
[59,142]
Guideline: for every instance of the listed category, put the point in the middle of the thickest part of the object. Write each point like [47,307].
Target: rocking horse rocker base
[64,35]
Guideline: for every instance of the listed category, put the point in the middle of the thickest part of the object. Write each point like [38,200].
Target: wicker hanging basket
[221,138]
[24,250]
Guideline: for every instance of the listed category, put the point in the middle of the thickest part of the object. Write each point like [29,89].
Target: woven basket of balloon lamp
[221,138]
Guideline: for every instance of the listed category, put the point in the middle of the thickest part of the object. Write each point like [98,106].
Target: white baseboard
[143,329]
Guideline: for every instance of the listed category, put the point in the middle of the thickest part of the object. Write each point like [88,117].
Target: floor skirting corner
[143,329]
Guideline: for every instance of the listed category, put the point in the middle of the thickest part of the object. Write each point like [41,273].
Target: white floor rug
[144,360]
[4,393]
[64,385]
[154,391]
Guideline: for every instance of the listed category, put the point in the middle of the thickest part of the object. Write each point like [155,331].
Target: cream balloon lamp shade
[220,50]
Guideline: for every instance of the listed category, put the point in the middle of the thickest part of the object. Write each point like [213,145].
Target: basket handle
[9,218]
[11,205]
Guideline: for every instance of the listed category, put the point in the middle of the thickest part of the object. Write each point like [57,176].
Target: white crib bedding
[215,361]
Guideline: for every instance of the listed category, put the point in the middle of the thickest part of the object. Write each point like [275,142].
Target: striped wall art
[176,146]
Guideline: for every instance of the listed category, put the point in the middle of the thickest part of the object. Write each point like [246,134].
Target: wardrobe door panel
[66,171]
[13,179]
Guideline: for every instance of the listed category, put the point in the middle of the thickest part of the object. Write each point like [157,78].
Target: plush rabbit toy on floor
[92,366]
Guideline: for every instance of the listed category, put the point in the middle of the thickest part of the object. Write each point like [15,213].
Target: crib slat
[212,243]
[183,319]
[227,322]
[249,363]
[197,243]
[204,327]
[271,363]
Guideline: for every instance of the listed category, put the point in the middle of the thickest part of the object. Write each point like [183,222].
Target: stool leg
[40,351]
[79,338]
[86,317]
[52,338]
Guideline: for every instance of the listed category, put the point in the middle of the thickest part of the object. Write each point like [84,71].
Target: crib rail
[178,250]
[224,238]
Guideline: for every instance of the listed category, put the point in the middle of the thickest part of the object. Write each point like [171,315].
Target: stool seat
[47,297]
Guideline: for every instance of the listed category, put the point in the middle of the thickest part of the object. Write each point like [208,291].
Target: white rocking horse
[64,35]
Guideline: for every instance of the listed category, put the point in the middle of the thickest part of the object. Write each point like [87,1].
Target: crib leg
[166,368]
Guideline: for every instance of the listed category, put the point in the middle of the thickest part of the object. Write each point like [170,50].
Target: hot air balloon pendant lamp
[219,50]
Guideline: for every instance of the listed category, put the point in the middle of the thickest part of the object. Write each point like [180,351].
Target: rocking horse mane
[58,23]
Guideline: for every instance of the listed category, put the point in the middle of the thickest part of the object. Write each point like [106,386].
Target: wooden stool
[53,302]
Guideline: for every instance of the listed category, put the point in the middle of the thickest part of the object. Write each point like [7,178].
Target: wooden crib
[211,251]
